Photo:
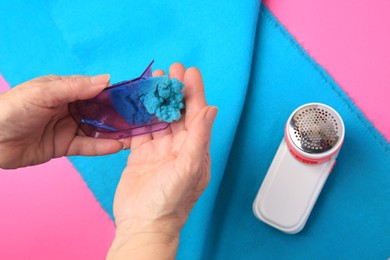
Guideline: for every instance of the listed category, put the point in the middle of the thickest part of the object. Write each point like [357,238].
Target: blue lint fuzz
[162,97]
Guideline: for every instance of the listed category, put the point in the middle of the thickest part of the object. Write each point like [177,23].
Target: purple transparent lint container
[116,112]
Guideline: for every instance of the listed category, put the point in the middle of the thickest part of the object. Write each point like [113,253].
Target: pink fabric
[48,212]
[351,40]
[3,85]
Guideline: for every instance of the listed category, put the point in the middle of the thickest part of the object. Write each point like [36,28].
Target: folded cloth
[351,219]
[120,38]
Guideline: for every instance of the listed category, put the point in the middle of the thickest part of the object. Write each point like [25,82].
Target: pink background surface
[47,211]
[350,39]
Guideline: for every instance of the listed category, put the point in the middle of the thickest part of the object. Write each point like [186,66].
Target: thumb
[72,88]
[197,141]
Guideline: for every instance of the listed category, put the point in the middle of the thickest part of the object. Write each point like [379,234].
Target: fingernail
[124,146]
[211,114]
[100,79]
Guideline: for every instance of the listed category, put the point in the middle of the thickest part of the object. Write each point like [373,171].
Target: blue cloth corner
[351,218]
[121,38]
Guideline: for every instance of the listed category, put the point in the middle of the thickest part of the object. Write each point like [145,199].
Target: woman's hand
[165,175]
[35,124]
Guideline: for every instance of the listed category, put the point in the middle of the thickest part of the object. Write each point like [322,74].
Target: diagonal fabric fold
[351,216]
[120,38]
[219,37]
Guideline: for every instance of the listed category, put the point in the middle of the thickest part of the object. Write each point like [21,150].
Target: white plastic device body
[291,186]
[289,191]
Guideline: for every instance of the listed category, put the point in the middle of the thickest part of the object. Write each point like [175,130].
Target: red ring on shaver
[305,159]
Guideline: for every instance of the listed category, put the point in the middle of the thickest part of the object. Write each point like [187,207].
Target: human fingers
[61,90]
[126,142]
[193,95]
[158,73]
[83,145]
[46,78]
[196,144]
[177,71]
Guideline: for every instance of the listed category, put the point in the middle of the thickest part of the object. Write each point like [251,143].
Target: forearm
[145,241]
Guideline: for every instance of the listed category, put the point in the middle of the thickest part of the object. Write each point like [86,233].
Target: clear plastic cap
[116,112]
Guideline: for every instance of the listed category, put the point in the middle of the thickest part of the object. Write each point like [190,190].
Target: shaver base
[289,191]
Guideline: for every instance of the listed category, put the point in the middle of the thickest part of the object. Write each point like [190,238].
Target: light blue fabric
[352,216]
[121,38]
[351,219]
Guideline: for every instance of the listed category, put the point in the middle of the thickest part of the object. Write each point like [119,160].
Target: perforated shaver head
[315,129]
